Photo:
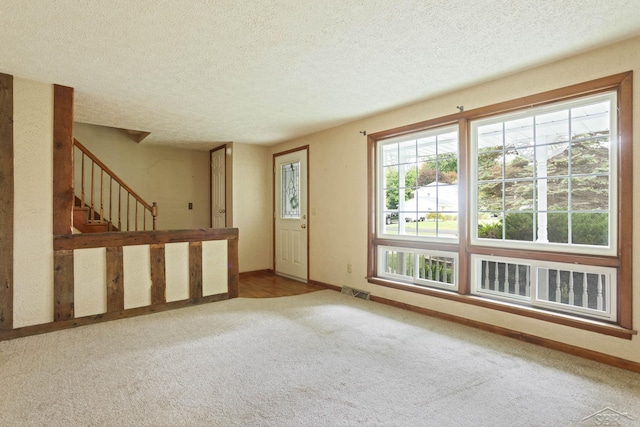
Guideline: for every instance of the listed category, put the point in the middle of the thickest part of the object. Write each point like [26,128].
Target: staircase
[105,203]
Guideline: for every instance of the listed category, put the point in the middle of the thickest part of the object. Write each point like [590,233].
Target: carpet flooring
[319,359]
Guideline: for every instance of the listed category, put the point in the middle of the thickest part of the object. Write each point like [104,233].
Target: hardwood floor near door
[269,285]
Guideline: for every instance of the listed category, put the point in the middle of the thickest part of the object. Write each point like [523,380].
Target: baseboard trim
[325,285]
[606,359]
[255,273]
[105,317]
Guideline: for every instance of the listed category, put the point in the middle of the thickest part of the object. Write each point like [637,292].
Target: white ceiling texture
[194,72]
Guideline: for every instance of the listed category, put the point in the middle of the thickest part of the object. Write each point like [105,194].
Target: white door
[291,225]
[218,195]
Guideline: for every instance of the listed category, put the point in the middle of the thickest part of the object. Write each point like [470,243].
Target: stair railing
[127,212]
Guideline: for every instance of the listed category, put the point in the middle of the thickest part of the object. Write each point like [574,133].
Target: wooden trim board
[6,202]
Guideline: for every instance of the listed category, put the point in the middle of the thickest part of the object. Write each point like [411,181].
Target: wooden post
[158,274]
[233,274]
[63,308]
[195,270]
[63,199]
[115,279]
[62,159]
[6,202]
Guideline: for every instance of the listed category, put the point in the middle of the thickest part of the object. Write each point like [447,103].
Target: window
[523,206]
[543,177]
[418,178]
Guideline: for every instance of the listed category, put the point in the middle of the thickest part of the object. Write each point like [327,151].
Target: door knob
[221,211]
[303,226]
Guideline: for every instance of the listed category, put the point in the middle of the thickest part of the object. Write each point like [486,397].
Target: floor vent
[355,293]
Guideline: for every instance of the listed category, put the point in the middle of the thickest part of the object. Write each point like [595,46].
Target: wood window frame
[622,84]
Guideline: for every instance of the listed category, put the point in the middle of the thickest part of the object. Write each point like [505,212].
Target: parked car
[391,217]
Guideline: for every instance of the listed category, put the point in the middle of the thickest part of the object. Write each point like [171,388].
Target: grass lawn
[425,227]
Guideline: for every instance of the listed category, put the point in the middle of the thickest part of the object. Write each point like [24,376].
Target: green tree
[447,166]
[393,187]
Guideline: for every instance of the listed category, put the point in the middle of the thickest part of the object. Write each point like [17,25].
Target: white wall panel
[90,278]
[137,276]
[214,267]
[177,271]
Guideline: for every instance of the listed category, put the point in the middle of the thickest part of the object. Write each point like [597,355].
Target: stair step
[95,227]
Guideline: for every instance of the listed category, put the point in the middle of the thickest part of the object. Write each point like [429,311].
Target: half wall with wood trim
[56,279]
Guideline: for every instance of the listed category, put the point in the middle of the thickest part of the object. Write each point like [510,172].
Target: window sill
[535,313]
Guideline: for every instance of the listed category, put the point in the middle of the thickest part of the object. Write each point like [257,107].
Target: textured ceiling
[264,71]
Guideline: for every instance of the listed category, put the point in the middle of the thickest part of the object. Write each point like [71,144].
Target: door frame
[226,190]
[273,204]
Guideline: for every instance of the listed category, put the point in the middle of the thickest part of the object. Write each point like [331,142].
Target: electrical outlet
[349,269]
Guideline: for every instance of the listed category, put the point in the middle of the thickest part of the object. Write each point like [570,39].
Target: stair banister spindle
[154,213]
[120,207]
[82,205]
[136,215]
[101,195]
[128,196]
[110,203]
[91,209]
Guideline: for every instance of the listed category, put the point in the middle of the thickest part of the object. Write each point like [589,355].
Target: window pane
[518,195]
[490,137]
[584,292]
[436,269]
[390,154]
[557,160]
[390,222]
[590,229]
[427,147]
[490,197]
[490,225]
[519,226]
[407,151]
[291,190]
[517,166]
[590,156]
[508,279]
[590,193]
[557,192]
[552,127]
[590,120]
[490,165]
[519,133]
[557,227]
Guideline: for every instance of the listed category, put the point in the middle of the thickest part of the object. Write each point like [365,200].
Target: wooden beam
[63,308]
[233,273]
[150,237]
[115,280]
[158,274]
[62,159]
[195,270]
[6,202]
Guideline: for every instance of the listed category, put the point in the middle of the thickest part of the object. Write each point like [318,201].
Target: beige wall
[169,176]
[33,218]
[338,190]
[252,196]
